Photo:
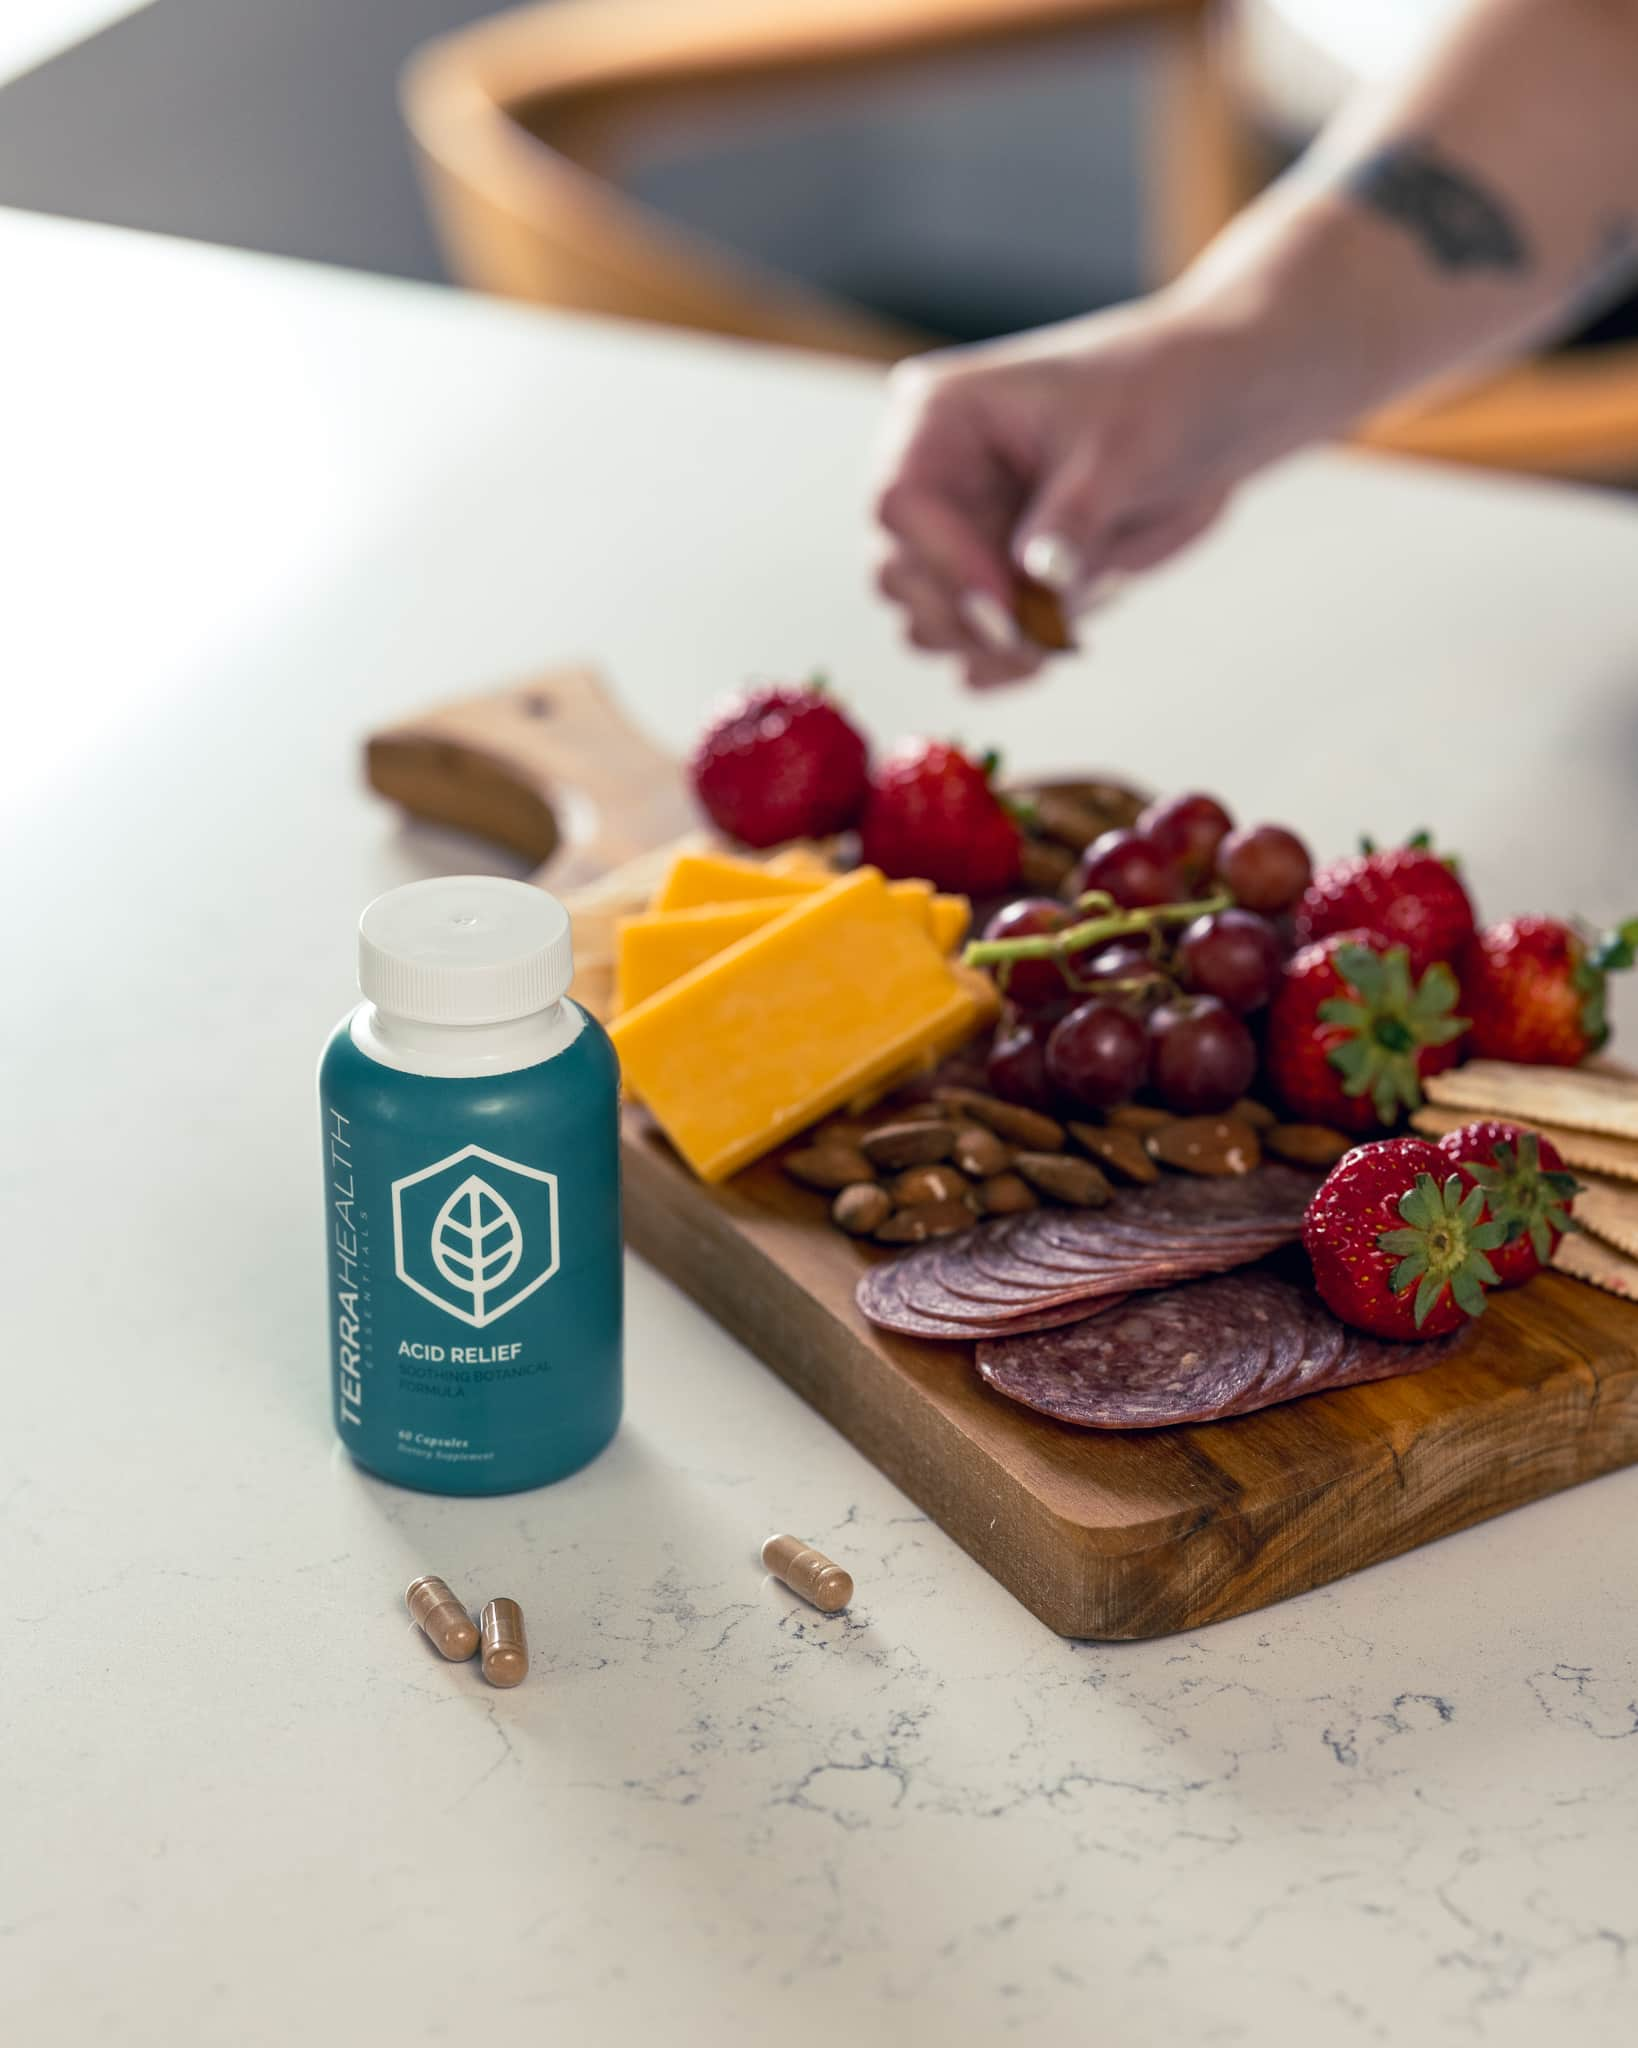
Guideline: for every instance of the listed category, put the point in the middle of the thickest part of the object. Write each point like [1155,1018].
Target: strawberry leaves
[1525,1198]
[1384,1021]
[1446,1233]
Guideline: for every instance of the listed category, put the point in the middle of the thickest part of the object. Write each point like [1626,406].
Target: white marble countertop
[250,509]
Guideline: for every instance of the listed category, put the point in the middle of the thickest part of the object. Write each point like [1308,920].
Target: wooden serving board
[1119,1533]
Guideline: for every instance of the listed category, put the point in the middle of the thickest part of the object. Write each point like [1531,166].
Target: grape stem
[1092,931]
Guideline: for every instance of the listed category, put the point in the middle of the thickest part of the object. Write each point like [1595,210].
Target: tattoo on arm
[1459,225]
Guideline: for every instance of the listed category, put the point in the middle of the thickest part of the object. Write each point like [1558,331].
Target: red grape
[1098,1055]
[1264,867]
[1016,1068]
[1231,954]
[1117,960]
[1202,1055]
[1187,830]
[1131,869]
[1031,984]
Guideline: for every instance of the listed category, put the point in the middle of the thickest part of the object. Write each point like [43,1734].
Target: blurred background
[863,176]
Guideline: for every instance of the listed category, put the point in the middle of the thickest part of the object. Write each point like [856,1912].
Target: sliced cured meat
[1214,1348]
[1043,1263]
[908,1322]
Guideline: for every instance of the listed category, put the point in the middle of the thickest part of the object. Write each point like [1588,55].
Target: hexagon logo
[475,1234]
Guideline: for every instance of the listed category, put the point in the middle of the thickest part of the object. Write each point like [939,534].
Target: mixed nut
[932,1167]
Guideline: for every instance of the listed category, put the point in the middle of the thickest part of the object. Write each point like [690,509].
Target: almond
[1121,1152]
[829,1164]
[901,1144]
[1307,1144]
[1044,868]
[1007,1194]
[1008,1120]
[862,1208]
[980,1152]
[1137,1116]
[918,1184]
[931,1219]
[1257,1114]
[1218,1145]
[1065,1178]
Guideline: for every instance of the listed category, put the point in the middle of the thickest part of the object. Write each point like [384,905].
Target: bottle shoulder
[585,1065]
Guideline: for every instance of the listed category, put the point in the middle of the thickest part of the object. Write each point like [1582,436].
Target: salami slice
[1214,1348]
[1042,1264]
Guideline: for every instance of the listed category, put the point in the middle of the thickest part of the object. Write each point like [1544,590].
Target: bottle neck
[465,1051]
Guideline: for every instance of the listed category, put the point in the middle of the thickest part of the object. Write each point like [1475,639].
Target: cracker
[1579,1100]
[1610,1211]
[1582,1150]
[1586,1258]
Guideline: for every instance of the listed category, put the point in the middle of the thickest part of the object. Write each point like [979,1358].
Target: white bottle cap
[465,949]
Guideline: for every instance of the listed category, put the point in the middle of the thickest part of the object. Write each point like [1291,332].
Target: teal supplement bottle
[472,1189]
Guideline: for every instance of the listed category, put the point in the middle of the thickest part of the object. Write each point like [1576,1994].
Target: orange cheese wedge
[790,1022]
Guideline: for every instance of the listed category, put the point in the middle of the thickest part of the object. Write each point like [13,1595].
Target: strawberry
[1398,1241]
[1525,1188]
[932,813]
[1405,895]
[1535,989]
[780,763]
[1351,1036]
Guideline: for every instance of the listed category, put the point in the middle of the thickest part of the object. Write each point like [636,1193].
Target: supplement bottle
[472,1196]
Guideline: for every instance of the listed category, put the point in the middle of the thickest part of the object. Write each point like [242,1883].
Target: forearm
[1450,220]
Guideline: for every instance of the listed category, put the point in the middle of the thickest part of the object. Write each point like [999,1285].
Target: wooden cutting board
[1100,1533]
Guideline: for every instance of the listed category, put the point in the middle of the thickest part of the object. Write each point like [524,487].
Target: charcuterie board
[1126,1533]
[1106,1533]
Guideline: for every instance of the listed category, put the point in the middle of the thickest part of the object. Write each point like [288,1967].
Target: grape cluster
[1151,978]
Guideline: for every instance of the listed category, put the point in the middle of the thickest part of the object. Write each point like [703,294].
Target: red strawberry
[1404,896]
[780,763]
[1351,1036]
[1535,989]
[1399,1243]
[1525,1188]
[932,813]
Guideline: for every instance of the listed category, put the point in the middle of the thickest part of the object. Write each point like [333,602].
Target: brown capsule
[1065,1178]
[981,1152]
[828,1165]
[861,1208]
[1216,1145]
[441,1618]
[1007,1194]
[1119,1152]
[1009,1120]
[918,1184]
[928,1219]
[1307,1144]
[918,1143]
[807,1572]
[505,1646]
[1137,1116]
[1257,1114]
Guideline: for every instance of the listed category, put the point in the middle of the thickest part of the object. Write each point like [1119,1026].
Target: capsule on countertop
[505,1647]
[807,1572]
[441,1618]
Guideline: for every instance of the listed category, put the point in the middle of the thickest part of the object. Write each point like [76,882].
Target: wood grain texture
[1141,1533]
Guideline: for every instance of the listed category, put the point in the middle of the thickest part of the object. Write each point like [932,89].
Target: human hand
[1068,455]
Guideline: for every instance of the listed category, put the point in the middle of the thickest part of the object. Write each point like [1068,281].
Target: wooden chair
[521,123]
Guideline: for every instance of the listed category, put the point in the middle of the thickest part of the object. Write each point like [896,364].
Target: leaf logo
[477,1241]
[475,1233]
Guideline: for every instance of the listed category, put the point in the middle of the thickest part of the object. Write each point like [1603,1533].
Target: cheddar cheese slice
[698,878]
[655,947]
[663,945]
[789,1023]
